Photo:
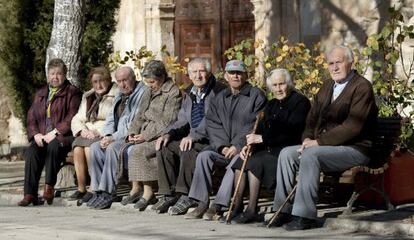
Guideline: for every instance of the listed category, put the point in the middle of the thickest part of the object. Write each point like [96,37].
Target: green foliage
[142,56]
[307,66]
[20,52]
[381,54]
[96,44]
[25,29]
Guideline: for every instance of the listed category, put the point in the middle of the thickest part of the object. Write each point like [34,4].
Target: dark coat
[231,117]
[181,128]
[64,106]
[284,121]
[349,120]
[282,125]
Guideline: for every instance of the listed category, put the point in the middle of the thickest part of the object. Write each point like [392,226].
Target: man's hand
[229,152]
[105,141]
[186,144]
[162,141]
[38,139]
[307,143]
[254,139]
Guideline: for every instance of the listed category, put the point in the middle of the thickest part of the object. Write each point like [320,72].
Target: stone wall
[148,23]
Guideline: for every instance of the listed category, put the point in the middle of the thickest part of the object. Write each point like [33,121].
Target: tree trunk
[66,38]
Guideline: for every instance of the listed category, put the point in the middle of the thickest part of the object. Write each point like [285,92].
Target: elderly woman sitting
[282,125]
[49,133]
[88,123]
[158,109]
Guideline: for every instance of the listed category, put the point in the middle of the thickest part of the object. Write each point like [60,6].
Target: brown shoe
[198,212]
[48,193]
[28,199]
[213,213]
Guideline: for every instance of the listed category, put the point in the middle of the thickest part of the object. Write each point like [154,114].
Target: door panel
[206,28]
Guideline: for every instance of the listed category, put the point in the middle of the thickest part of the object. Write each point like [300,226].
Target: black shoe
[164,203]
[103,202]
[282,219]
[234,214]
[92,200]
[247,217]
[142,203]
[76,195]
[84,199]
[131,198]
[300,223]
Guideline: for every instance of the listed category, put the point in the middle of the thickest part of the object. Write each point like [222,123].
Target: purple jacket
[64,106]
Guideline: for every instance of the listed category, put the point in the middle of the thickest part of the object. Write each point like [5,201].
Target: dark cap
[154,69]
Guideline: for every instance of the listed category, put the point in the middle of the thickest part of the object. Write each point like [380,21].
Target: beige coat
[80,122]
[157,111]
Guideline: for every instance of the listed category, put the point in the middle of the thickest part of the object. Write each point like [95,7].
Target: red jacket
[64,106]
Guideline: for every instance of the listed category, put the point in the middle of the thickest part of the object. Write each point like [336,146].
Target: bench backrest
[387,133]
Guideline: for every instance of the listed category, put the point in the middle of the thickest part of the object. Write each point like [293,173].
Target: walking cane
[290,195]
[248,154]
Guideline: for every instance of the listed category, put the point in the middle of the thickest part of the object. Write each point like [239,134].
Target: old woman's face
[55,77]
[154,83]
[99,84]
[279,87]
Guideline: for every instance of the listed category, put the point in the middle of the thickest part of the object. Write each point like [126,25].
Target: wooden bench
[371,177]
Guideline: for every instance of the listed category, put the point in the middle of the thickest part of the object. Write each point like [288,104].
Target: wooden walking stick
[248,154]
[290,195]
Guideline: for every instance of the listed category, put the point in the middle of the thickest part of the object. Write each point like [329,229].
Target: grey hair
[280,72]
[348,52]
[155,69]
[130,71]
[204,61]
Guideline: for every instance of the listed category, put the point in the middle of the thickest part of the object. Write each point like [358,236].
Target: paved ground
[61,222]
[64,220]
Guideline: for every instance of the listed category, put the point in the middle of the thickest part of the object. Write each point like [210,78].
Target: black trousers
[176,168]
[50,156]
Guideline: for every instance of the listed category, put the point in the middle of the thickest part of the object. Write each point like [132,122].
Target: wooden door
[206,28]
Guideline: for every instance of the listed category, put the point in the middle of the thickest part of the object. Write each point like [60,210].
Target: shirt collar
[346,80]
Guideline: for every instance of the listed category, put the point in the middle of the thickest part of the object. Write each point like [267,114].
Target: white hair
[348,52]
[280,72]
[203,61]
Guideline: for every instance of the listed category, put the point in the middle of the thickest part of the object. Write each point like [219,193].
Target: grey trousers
[202,183]
[225,192]
[312,161]
[104,166]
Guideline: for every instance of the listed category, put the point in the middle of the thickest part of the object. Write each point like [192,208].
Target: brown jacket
[349,120]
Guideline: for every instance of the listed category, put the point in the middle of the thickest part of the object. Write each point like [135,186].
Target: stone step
[12,166]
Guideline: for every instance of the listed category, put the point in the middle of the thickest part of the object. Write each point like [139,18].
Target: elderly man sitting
[178,147]
[230,118]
